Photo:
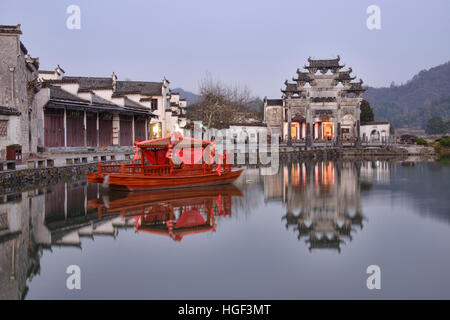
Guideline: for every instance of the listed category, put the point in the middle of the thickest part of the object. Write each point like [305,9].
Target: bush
[445,141]
[421,142]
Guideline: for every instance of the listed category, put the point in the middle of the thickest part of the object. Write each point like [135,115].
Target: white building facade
[375,132]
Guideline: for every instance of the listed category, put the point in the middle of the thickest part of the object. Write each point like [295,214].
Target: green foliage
[421,142]
[425,96]
[391,129]
[436,125]
[366,112]
[445,141]
[444,160]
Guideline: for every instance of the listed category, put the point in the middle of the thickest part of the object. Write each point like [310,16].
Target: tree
[219,104]
[366,112]
[391,130]
[436,125]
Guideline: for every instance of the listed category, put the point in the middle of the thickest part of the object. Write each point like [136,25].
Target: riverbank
[358,153]
[25,179]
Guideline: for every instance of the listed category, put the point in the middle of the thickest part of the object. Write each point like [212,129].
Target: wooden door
[75,128]
[91,129]
[54,128]
[139,129]
[105,130]
[126,133]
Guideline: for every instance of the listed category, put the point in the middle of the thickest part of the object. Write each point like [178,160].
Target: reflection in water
[325,203]
[19,258]
[322,200]
[187,211]
[38,220]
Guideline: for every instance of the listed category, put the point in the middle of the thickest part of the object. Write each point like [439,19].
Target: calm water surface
[309,231]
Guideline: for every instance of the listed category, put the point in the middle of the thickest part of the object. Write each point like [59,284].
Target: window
[4,128]
[3,221]
[154,104]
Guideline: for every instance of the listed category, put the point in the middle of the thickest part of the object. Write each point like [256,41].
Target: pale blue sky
[256,43]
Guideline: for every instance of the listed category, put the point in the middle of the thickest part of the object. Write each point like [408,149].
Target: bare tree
[219,103]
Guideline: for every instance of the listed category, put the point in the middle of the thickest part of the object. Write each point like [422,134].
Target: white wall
[382,131]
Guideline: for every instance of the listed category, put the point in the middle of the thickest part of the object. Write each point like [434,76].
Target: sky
[257,44]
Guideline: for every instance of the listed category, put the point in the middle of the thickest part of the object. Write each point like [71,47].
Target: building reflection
[375,171]
[38,220]
[19,256]
[322,201]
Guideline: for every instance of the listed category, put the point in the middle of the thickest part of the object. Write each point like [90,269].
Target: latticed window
[3,128]
[3,221]
[154,104]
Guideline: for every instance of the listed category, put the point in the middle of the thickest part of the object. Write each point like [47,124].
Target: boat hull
[145,182]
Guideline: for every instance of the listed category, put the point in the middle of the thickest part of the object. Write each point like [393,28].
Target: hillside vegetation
[425,96]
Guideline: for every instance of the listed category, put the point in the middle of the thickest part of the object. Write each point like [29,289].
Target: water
[310,231]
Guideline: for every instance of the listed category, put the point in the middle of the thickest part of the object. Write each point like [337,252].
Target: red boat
[172,162]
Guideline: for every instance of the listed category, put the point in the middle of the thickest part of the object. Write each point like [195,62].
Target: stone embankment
[387,152]
[25,179]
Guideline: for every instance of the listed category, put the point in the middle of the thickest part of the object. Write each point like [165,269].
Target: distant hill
[189,96]
[426,95]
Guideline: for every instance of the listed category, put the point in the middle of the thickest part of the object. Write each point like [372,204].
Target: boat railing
[156,170]
[135,169]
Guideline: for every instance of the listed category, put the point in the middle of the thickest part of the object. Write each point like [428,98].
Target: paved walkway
[63,159]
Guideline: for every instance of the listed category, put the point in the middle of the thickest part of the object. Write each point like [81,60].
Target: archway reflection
[322,200]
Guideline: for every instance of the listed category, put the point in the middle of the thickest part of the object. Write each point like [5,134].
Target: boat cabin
[174,155]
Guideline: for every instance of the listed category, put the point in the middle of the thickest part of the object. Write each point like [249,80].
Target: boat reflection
[322,201]
[173,214]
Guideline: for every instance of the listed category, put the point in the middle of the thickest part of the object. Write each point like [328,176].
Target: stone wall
[17,74]
[20,180]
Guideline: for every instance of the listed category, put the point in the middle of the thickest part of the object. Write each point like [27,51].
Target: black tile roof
[274,102]
[131,104]
[94,83]
[56,93]
[23,48]
[303,76]
[356,86]
[95,99]
[290,87]
[345,75]
[327,63]
[138,87]
[59,95]
[9,111]
[10,29]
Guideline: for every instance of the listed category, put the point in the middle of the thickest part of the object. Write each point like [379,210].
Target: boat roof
[175,140]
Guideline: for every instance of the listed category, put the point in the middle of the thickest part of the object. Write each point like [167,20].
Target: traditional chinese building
[106,112]
[322,104]
[20,125]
